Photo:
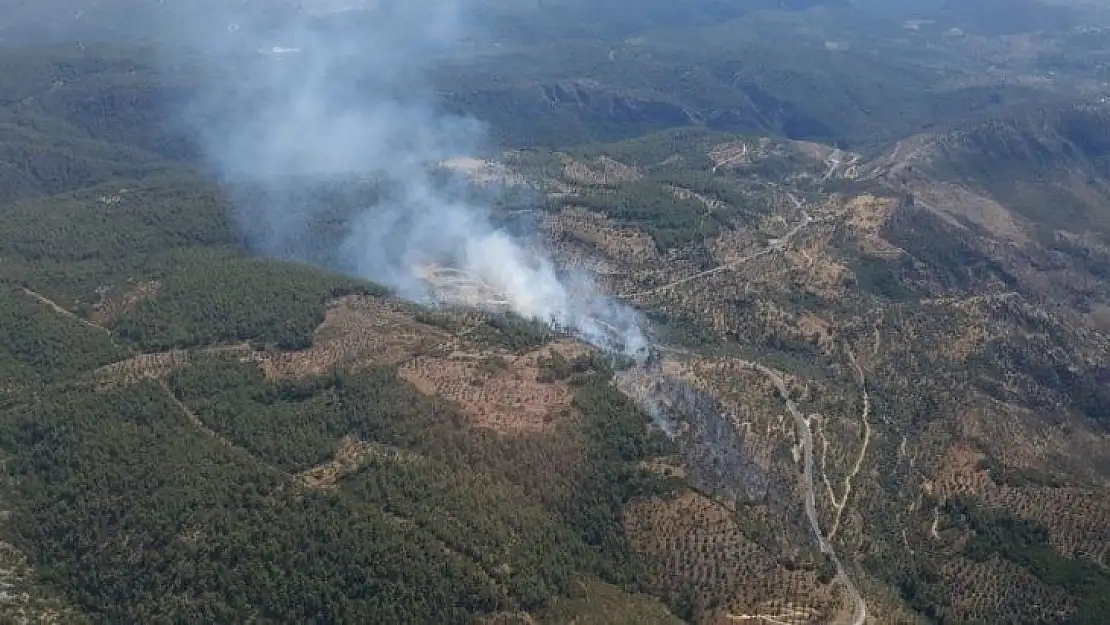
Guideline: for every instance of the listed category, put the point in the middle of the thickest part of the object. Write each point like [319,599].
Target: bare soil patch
[600,171]
[357,332]
[499,390]
[700,545]
[351,454]
[108,309]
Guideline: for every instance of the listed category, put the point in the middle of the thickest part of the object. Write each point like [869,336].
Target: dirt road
[859,611]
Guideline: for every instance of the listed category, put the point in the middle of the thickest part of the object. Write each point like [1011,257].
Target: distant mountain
[59,20]
[981,16]
[1049,165]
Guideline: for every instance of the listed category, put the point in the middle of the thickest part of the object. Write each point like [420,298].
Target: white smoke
[295,102]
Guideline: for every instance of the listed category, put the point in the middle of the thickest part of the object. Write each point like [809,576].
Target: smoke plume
[304,98]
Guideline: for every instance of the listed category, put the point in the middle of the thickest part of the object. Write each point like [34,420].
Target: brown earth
[357,332]
[497,389]
[349,456]
[110,308]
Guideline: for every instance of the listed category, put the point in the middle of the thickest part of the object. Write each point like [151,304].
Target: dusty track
[196,422]
[193,419]
[42,299]
[776,246]
[865,421]
[859,611]
[793,616]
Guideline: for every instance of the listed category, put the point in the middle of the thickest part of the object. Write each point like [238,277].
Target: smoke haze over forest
[309,106]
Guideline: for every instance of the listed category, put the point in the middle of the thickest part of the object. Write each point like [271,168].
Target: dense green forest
[575,81]
[132,514]
[137,516]
[128,512]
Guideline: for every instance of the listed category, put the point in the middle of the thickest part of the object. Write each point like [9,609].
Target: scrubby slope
[947,372]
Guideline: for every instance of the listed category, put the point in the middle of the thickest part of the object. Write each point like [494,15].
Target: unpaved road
[859,611]
[42,299]
[865,415]
[777,245]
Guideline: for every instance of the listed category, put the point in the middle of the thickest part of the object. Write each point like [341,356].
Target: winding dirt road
[775,246]
[859,611]
[46,301]
[865,421]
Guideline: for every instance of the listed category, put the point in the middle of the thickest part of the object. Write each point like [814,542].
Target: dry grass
[866,215]
[730,246]
[357,332]
[957,204]
[1019,437]
[959,473]
[498,390]
[141,367]
[108,309]
[599,171]
[607,236]
[351,454]
[815,329]
[700,546]
[735,154]
[155,366]
[817,151]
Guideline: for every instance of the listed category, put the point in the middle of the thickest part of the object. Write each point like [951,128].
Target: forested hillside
[157,474]
[869,245]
